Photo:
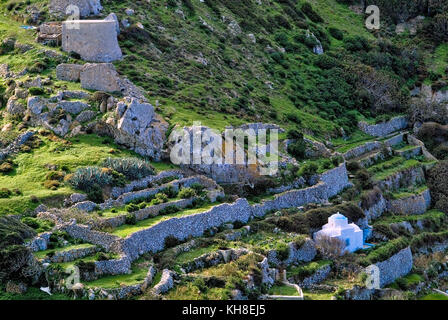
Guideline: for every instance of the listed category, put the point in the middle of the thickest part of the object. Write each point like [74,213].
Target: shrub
[171,242]
[52,184]
[132,168]
[324,61]
[187,193]
[197,187]
[336,33]
[5,193]
[35,91]
[130,219]
[95,194]
[308,170]
[160,198]
[313,15]
[370,198]
[6,167]
[364,178]
[37,224]
[169,210]
[132,207]
[86,178]
[170,192]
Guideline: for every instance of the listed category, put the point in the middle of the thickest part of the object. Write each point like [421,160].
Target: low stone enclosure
[415,204]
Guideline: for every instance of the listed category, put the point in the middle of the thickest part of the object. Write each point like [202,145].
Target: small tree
[330,248]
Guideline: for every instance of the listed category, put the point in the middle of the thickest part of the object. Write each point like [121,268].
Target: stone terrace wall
[416,204]
[177,184]
[363,149]
[145,213]
[145,182]
[153,239]
[383,129]
[82,232]
[335,180]
[395,267]
[406,177]
[113,267]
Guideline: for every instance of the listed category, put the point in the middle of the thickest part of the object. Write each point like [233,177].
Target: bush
[336,33]
[5,193]
[324,61]
[37,224]
[6,167]
[313,15]
[35,91]
[169,210]
[308,170]
[171,242]
[86,178]
[132,168]
[187,193]
[159,199]
[95,194]
[52,184]
[132,207]
[130,219]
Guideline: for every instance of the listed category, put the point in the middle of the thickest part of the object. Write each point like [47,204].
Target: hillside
[86,178]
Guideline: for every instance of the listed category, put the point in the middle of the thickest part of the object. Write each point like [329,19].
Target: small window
[347,242]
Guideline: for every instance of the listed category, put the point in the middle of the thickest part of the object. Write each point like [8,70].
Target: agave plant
[85,178]
[132,168]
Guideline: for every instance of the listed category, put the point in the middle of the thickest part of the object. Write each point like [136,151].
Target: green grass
[283,290]
[409,192]
[185,257]
[438,62]
[43,254]
[408,281]
[317,295]
[357,139]
[30,171]
[138,274]
[189,291]
[126,230]
[387,168]
[434,296]
[431,214]
[307,269]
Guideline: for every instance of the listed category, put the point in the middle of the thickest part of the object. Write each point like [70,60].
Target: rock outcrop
[62,8]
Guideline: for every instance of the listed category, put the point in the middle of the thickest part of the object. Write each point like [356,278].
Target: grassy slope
[30,170]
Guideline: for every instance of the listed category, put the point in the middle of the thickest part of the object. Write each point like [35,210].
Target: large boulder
[86,8]
[93,40]
[136,117]
[100,77]
[68,72]
[136,126]
[14,106]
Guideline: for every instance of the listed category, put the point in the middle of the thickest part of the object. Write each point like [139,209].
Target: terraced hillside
[88,190]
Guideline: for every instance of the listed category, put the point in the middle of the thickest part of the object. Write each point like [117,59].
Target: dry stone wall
[384,129]
[395,267]
[415,204]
